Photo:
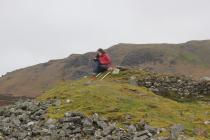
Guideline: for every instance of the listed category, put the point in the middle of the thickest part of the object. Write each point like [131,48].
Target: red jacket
[104,59]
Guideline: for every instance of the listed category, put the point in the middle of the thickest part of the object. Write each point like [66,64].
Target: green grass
[116,100]
[191,58]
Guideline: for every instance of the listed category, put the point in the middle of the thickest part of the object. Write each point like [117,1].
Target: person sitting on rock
[102,62]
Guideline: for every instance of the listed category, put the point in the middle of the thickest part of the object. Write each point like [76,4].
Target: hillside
[191,58]
[117,100]
[125,106]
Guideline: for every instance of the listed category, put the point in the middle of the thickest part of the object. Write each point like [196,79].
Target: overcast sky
[34,31]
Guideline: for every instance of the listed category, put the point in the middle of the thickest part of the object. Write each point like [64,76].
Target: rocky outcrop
[173,86]
[27,120]
[143,56]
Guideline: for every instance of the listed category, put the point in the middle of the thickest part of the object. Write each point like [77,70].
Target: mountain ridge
[190,58]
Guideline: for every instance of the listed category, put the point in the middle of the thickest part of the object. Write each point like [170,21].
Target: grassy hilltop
[116,100]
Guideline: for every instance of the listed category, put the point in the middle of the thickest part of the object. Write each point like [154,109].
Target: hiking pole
[105,76]
[92,79]
[98,75]
[95,77]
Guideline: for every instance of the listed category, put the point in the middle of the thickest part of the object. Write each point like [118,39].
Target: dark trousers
[98,68]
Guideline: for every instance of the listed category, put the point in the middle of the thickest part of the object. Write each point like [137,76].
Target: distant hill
[190,58]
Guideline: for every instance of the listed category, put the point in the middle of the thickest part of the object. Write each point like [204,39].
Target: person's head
[101,51]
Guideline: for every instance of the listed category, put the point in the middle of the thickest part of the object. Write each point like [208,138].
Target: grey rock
[73,114]
[31,123]
[141,133]
[51,121]
[131,129]
[102,124]
[126,137]
[205,79]
[76,119]
[87,122]
[70,126]
[108,130]
[89,131]
[110,137]
[23,117]
[6,120]
[176,130]
[6,131]
[62,133]
[52,127]
[98,134]
[57,103]
[151,129]
[16,122]
[144,137]
[95,117]
[22,135]
[77,130]
[2,111]
[163,138]
[133,81]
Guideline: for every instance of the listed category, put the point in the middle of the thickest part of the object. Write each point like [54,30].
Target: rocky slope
[191,58]
[26,120]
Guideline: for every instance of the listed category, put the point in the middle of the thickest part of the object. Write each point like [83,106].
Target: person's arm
[96,58]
